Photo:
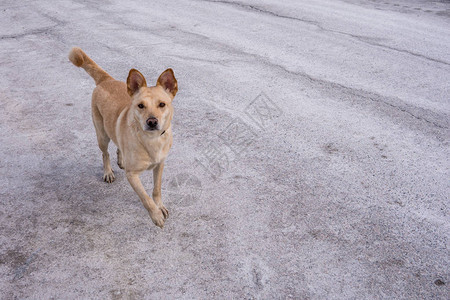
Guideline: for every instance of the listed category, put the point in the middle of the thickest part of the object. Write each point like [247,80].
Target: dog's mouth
[151,128]
[155,132]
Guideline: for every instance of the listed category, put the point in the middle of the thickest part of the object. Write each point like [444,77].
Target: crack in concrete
[219,61]
[20,271]
[268,12]
[27,33]
[362,39]
[362,94]
[36,31]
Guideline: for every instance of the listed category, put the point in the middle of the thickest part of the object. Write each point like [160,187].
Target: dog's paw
[109,176]
[157,218]
[164,211]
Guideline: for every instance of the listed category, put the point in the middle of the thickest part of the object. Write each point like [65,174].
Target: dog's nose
[152,122]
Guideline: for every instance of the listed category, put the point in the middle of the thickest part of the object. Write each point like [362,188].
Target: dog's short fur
[137,119]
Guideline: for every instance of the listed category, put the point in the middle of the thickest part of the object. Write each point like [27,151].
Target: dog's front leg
[154,211]
[157,176]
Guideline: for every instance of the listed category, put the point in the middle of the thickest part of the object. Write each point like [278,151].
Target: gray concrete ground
[310,160]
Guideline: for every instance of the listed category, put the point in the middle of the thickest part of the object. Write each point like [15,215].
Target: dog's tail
[80,59]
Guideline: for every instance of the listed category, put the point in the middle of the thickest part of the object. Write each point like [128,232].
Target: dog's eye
[140,105]
[162,104]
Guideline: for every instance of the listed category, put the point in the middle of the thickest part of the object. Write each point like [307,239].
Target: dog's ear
[135,81]
[168,82]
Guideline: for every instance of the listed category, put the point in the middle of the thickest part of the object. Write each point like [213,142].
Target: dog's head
[152,106]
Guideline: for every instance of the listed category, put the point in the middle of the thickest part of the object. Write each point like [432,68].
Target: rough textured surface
[341,193]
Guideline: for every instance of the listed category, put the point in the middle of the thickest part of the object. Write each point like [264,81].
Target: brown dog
[137,119]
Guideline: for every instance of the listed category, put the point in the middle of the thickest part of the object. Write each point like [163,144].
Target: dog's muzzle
[152,123]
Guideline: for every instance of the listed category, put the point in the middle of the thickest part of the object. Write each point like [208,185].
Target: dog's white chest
[157,151]
[157,157]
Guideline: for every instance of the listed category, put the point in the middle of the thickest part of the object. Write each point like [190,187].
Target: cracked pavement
[310,156]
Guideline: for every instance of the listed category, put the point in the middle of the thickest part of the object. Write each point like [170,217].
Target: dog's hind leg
[119,159]
[108,173]
[103,141]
